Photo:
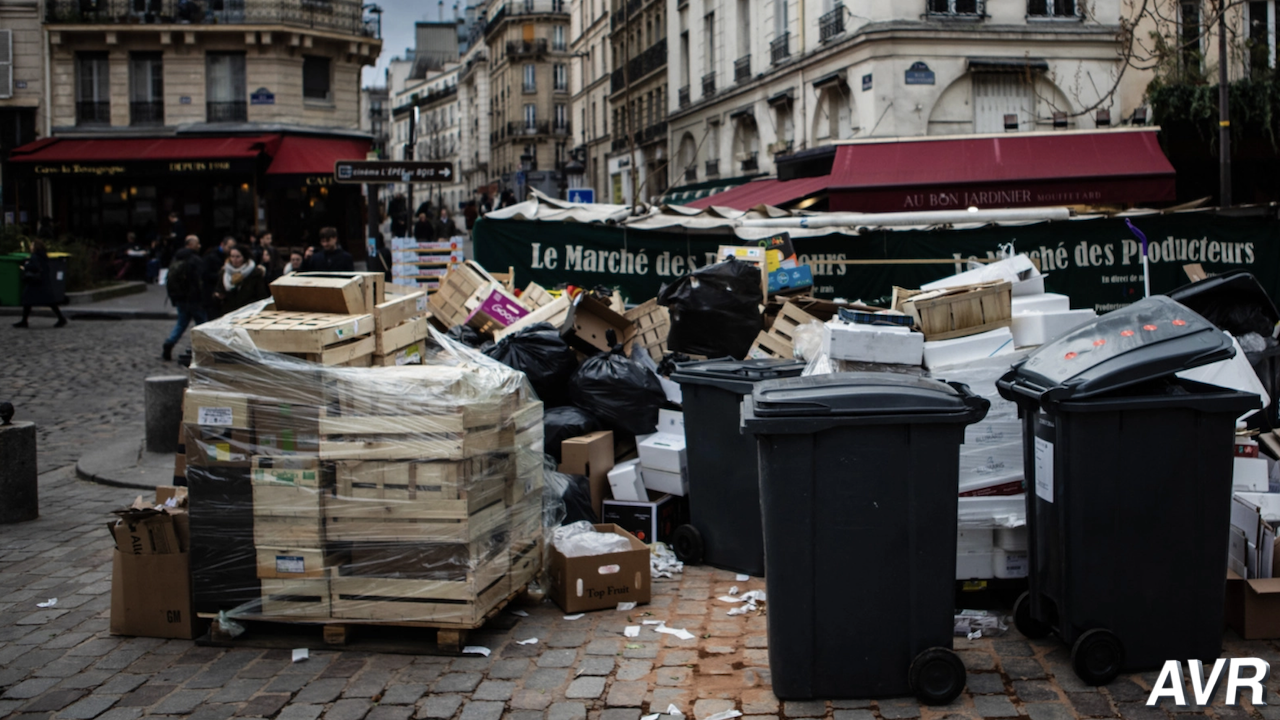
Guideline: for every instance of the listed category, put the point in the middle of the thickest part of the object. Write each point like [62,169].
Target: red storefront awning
[108,157]
[302,155]
[1107,167]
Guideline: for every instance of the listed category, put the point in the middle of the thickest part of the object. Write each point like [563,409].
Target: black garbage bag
[623,394]
[466,335]
[715,310]
[572,492]
[562,423]
[670,361]
[538,352]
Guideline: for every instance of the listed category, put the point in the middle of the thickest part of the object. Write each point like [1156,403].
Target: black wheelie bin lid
[809,404]
[1234,301]
[738,376]
[1152,338]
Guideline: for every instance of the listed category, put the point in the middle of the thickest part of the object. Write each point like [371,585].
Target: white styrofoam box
[1007,270]
[1235,373]
[1250,475]
[963,350]
[1273,475]
[665,449]
[992,511]
[1011,539]
[1268,502]
[1047,302]
[990,466]
[627,482]
[974,566]
[676,483]
[1008,564]
[1033,285]
[979,540]
[895,345]
[999,431]
[1041,328]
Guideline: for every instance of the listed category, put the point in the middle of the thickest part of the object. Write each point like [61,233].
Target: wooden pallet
[349,520]
[462,602]
[408,332]
[399,309]
[779,341]
[536,296]
[653,324]
[293,332]
[448,304]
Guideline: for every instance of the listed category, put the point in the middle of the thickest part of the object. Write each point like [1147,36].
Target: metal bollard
[164,412]
[19,487]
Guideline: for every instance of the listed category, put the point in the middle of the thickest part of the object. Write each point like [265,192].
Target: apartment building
[21,102]
[590,79]
[474,101]
[638,99]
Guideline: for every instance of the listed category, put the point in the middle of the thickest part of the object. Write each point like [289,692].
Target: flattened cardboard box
[601,581]
[590,455]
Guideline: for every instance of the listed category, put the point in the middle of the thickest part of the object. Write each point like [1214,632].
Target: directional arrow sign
[391,171]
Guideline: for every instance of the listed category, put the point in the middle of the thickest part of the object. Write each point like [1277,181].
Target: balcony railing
[780,48]
[89,112]
[149,112]
[530,88]
[345,16]
[630,10]
[619,144]
[750,163]
[563,128]
[713,167]
[691,174]
[684,96]
[972,9]
[520,48]
[524,128]
[523,7]
[233,111]
[742,69]
[831,24]
[646,62]
[708,85]
[656,131]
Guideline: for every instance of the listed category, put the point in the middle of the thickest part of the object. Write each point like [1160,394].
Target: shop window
[315,78]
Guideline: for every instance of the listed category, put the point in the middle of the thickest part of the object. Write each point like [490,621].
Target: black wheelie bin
[859,478]
[1128,489]
[724,476]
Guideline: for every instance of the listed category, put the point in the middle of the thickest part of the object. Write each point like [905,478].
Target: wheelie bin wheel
[1031,628]
[936,676]
[1097,656]
[686,542]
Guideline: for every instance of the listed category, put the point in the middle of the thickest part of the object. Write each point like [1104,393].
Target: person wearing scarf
[242,282]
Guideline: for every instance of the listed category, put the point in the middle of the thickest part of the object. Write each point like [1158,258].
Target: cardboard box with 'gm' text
[597,582]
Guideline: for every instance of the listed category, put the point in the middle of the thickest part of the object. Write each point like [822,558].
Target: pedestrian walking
[214,260]
[424,230]
[242,282]
[270,267]
[184,286]
[38,287]
[444,226]
[330,257]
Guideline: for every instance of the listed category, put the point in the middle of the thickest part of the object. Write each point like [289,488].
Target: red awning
[302,155]
[1108,167]
[166,149]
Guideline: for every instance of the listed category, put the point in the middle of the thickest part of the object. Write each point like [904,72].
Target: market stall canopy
[1122,167]
[105,157]
[315,156]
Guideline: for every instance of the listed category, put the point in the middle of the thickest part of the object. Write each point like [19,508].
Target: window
[963,7]
[557,37]
[709,42]
[779,17]
[1261,34]
[1189,35]
[562,117]
[146,89]
[561,76]
[530,79]
[225,87]
[998,94]
[6,63]
[93,104]
[530,116]
[315,78]
[1052,8]
[684,59]
[744,28]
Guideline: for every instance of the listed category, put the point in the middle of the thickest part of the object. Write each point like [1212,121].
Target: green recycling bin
[11,279]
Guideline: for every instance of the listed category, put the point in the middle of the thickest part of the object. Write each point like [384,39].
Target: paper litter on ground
[742,578]
[48,603]
[726,715]
[651,622]
[631,631]
[476,650]
[654,716]
[530,641]
[663,562]
[734,590]
[678,632]
[300,654]
[748,600]
[574,617]
[625,606]
[519,613]
[673,710]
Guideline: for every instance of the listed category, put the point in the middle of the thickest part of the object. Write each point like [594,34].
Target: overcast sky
[398,17]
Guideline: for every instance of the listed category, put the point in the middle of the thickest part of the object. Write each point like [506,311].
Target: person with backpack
[185,288]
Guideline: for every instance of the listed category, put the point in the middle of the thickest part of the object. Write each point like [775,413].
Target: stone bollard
[19,489]
[164,412]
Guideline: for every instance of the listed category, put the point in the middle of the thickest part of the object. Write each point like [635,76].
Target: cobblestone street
[84,384]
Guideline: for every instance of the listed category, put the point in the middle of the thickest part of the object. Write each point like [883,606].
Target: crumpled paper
[663,562]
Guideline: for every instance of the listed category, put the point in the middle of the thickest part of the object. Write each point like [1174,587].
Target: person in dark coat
[330,257]
[214,260]
[270,266]
[185,289]
[38,286]
[241,282]
[424,230]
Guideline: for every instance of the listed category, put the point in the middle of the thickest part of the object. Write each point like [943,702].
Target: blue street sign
[582,195]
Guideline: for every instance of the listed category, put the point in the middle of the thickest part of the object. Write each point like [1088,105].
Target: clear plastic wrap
[325,490]
[806,340]
[580,539]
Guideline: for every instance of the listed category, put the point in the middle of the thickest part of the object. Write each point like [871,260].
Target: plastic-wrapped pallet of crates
[334,494]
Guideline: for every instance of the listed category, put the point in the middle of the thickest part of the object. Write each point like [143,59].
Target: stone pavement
[61,663]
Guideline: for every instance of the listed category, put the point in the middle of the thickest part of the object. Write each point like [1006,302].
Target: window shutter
[6,63]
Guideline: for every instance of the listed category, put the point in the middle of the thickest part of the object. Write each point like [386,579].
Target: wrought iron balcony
[530,88]
[232,111]
[713,167]
[89,112]
[654,58]
[619,144]
[684,96]
[691,174]
[831,24]
[780,48]
[523,7]
[149,112]
[522,48]
[344,16]
[750,163]
[742,69]
[561,128]
[515,129]
[708,85]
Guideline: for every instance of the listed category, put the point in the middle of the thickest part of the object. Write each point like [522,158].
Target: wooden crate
[536,296]
[457,446]
[957,312]
[285,531]
[464,602]
[296,598]
[444,482]
[406,333]
[406,390]
[555,312]
[299,563]
[414,521]
[306,293]
[411,354]
[779,341]
[293,332]
[526,561]
[354,353]
[288,500]
[399,309]
[373,284]
[448,303]
[653,324]
[290,471]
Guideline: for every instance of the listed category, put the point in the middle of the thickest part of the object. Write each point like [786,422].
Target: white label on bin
[289,564]
[215,416]
[1016,565]
[1044,470]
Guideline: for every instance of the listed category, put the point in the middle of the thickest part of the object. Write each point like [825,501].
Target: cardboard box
[626,483]
[600,581]
[665,449]
[872,343]
[1253,606]
[497,309]
[151,596]
[1250,475]
[789,280]
[590,455]
[652,519]
[555,312]
[589,323]
[1042,303]
[218,447]
[676,483]
[216,409]
[307,293]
